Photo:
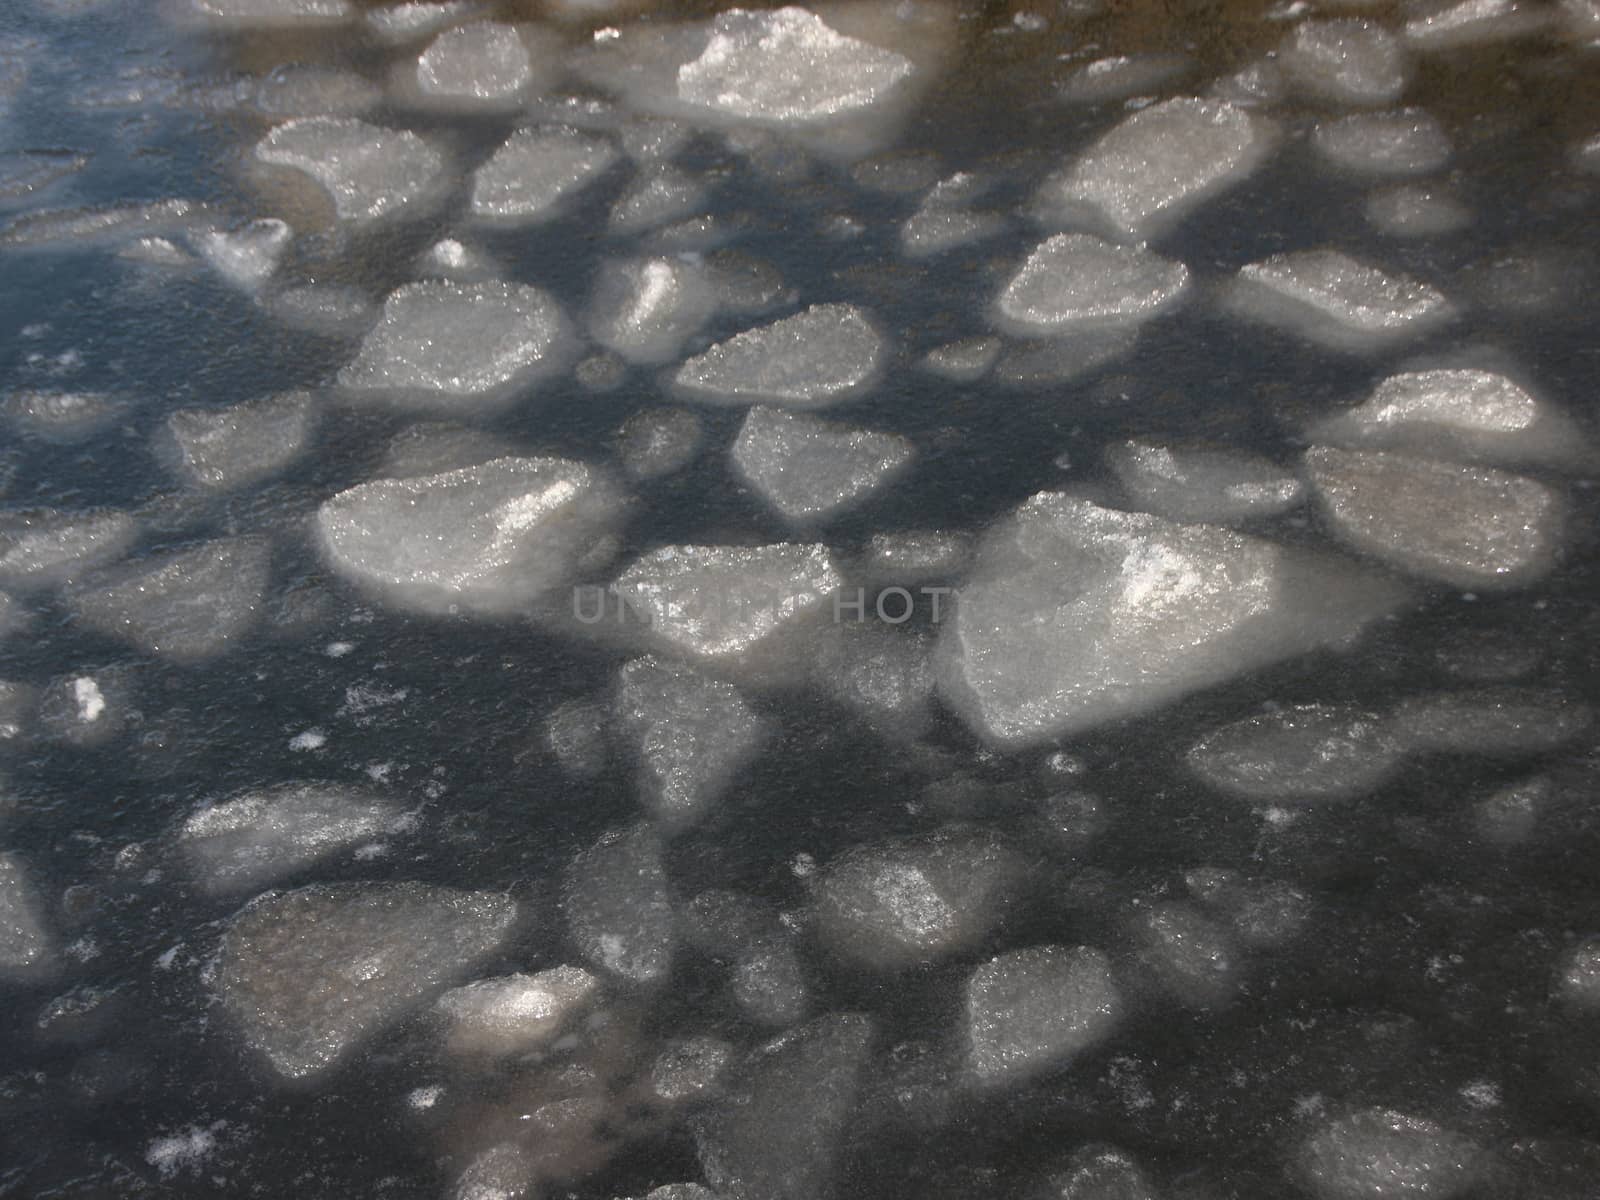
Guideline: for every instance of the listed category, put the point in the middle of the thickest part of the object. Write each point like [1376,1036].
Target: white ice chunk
[1472,527]
[1202,485]
[248,256]
[1377,1152]
[1305,753]
[809,469]
[658,196]
[227,448]
[513,1014]
[369,171]
[1152,169]
[689,1068]
[944,220]
[1412,210]
[1345,61]
[526,179]
[1077,615]
[1406,142]
[26,945]
[659,441]
[85,710]
[187,605]
[271,833]
[964,361]
[1031,1010]
[1074,282]
[1578,977]
[482,65]
[809,360]
[913,557]
[484,539]
[61,416]
[787,66]
[308,975]
[1453,24]
[618,906]
[1336,301]
[645,309]
[329,310]
[41,547]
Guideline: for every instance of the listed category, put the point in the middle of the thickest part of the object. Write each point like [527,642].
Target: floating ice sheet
[809,469]
[1075,282]
[1030,1010]
[810,360]
[1345,61]
[1200,484]
[1305,753]
[1406,142]
[227,448]
[369,171]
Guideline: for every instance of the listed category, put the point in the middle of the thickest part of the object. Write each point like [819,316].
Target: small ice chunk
[228,448]
[902,903]
[885,675]
[1202,485]
[1512,815]
[1305,753]
[645,309]
[85,710]
[1345,61]
[944,220]
[482,65]
[513,1014]
[416,19]
[576,734]
[1377,1152]
[618,907]
[1578,977]
[1454,24]
[964,361]
[369,171]
[787,66]
[659,441]
[186,1150]
[1032,1010]
[79,228]
[61,416]
[1406,142]
[662,194]
[1072,282]
[913,557]
[269,14]
[1498,721]
[1122,76]
[187,605]
[43,547]
[26,945]
[1191,956]
[301,91]
[525,180]
[329,310]
[1336,301]
[722,603]
[809,469]
[1077,615]
[246,257]
[692,736]
[1152,169]
[689,1068]
[1472,527]
[450,258]
[1462,413]
[809,360]
[1411,210]
[268,834]
[310,974]
[1259,84]
[459,346]
[485,539]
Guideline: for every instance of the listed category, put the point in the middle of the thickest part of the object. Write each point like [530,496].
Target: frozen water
[482,65]
[1507,721]
[645,309]
[662,194]
[809,360]
[913,901]
[689,1068]
[1377,1152]
[1072,282]
[416,19]
[186,605]
[370,172]
[1305,753]
[513,1014]
[1461,413]
[1077,615]
[298,91]
[450,258]
[1201,485]
[1191,956]
[1122,76]
[1454,24]
[246,257]
[787,66]
[884,675]
[310,974]
[1406,142]
[964,361]
[1411,210]
[1260,84]
[1336,301]
[944,220]
[1345,61]
[39,548]
[1032,1010]
[769,986]
[914,557]
[722,604]
[268,834]
[618,906]
[61,416]
[791,1103]
[1578,977]
[227,448]
[485,539]
[1152,169]
[328,310]
[85,710]
[503,1172]
[691,735]
[1472,527]
[535,170]
[809,469]
[459,346]
[1263,915]
[1512,815]
[659,441]
[268,14]
[27,947]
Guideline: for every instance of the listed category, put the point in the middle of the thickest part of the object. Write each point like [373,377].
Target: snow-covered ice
[809,469]
[527,178]
[1199,484]
[370,172]
[660,195]
[1073,282]
[1031,1010]
[227,448]
[1301,754]
[810,360]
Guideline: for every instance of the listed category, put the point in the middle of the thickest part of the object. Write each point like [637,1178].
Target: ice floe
[810,360]
[809,469]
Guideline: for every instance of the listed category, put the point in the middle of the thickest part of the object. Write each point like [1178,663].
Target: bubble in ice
[228,448]
[1200,484]
[618,906]
[187,605]
[248,256]
[527,178]
[370,172]
[43,547]
[1416,211]
[1408,141]
[659,441]
[1154,167]
[268,834]
[485,539]
[513,1014]
[645,309]
[1076,615]
[481,65]
[459,347]
[1345,61]
[27,947]
[809,469]
[1382,1152]
[812,359]
[1029,1011]
[1337,301]
[1073,282]
[1444,25]
[267,14]
[1468,526]
[1303,753]
[308,975]
[787,66]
